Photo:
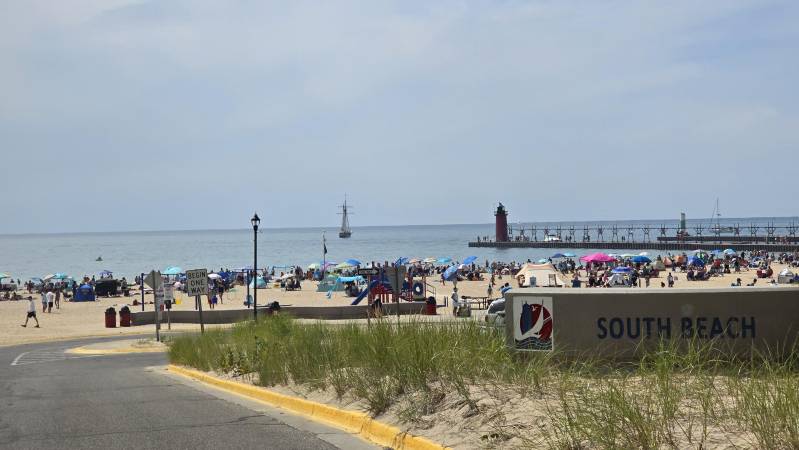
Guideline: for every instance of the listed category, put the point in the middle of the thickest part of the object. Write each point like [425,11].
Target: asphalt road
[55,400]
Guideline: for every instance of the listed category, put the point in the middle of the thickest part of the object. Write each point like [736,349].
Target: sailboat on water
[345,230]
[717,228]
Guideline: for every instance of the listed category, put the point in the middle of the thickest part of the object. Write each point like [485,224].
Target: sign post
[395,277]
[197,285]
[169,299]
[156,282]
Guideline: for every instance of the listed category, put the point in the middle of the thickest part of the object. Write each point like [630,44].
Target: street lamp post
[255,221]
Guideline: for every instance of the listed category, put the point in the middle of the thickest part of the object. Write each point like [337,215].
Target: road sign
[396,275]
[369,271]
[197,282]
[154,280]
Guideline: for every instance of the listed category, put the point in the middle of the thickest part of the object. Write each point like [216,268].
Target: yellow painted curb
[351,421]
[112,351]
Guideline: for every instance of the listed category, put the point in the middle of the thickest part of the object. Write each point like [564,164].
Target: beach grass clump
[670,395]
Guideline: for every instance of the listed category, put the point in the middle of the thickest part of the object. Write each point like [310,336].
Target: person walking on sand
[44,299]
[58,298]
[31,312]
[50,300]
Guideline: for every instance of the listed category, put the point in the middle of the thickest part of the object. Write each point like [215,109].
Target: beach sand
[83,319]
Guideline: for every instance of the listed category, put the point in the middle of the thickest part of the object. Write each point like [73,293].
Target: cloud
[436,108]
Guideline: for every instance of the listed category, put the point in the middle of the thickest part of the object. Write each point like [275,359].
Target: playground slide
[364,293]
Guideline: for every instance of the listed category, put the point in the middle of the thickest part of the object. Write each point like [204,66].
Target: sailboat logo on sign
[533,323]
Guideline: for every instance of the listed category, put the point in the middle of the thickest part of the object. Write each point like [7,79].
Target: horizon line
[324,228]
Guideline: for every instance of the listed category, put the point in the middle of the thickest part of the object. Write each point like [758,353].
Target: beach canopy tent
[172,270]
[542,274]
[85,293]
[469,259]
[597,258]
[260,281]
[641,259]
[696,262]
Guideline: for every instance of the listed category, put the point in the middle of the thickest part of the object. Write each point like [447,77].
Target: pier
[769,236]
[635,245]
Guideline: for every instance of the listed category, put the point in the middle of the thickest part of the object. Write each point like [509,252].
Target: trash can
[110,318]
[430,306]
[124,317]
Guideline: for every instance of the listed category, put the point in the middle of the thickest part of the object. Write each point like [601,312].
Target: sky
[121,115]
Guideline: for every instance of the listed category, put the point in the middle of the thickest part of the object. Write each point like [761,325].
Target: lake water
[128,254]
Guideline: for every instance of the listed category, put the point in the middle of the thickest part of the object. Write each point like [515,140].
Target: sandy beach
[83,319]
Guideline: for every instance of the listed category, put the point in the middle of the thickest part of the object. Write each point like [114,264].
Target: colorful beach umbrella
[697,262]
[597,258]
[172,270]
[450,273]
[469,259]
[353,261]
[641,259]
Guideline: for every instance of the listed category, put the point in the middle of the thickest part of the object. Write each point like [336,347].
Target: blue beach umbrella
[469,259]
[729,251]
[444,260]
[558,255]
[622,270]
[172,270]
[353,262]
[450,273]
[569,255]
[402,260]
[641,259]
[694,261]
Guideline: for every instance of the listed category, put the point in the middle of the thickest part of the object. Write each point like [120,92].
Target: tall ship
[345,230]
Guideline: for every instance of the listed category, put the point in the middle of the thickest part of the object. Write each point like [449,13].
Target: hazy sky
[143,115]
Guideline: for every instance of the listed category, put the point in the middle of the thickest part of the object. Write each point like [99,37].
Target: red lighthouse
[501,223]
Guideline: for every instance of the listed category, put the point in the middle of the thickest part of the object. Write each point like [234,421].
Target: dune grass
[667,397]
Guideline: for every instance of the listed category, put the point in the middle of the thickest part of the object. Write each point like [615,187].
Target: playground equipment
[413,289]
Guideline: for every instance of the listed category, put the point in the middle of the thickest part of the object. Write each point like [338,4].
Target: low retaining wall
[217,316]
[618,320]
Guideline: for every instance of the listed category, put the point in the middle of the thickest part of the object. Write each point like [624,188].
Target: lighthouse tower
[501,223]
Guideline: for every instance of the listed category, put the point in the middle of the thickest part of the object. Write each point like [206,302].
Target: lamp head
[255,221]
